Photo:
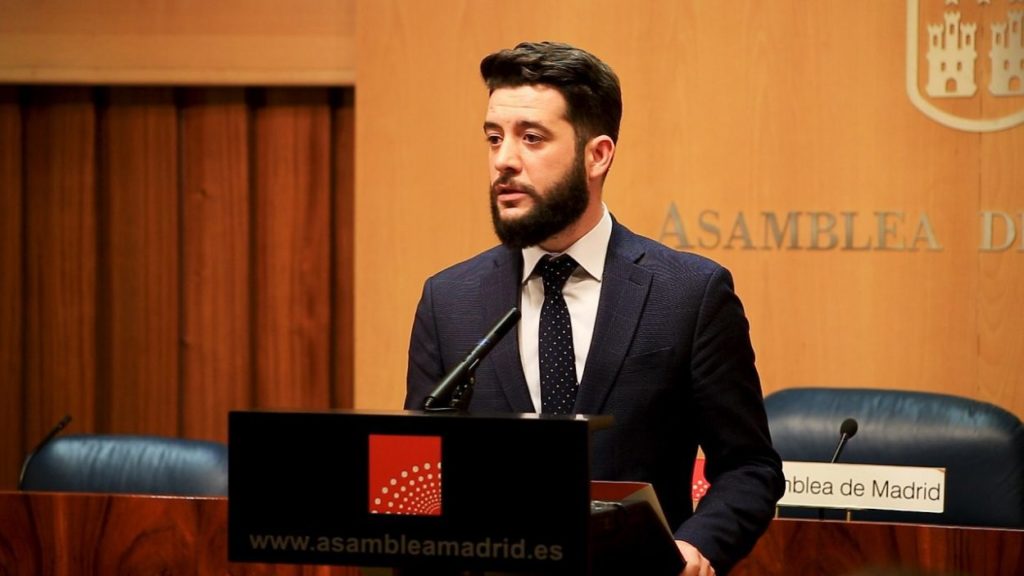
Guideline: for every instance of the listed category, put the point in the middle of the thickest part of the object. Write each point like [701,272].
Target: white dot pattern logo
[700,485]
[558,384]
[699,489]
[416,492]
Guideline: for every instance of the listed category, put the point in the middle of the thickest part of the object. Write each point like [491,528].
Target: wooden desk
[823,548]
[44,534]
[85,534]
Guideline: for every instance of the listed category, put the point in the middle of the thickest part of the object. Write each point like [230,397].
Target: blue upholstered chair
[128,465]
[980,445]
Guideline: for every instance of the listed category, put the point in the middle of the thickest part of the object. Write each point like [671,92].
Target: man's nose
[506,157]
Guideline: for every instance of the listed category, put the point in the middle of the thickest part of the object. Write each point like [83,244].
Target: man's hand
[696,563]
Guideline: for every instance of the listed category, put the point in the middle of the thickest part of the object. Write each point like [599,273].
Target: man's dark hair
[590,88]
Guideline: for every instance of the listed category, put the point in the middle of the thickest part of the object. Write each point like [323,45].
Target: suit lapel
[624,291]
[499,292]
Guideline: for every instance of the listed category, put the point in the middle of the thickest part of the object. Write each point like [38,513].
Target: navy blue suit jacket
[670,359]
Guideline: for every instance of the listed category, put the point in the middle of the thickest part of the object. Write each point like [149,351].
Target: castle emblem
[967,51]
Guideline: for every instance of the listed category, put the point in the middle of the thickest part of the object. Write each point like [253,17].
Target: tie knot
[555,271]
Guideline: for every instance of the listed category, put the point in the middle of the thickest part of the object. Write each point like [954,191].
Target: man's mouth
[509,193]
[507,189]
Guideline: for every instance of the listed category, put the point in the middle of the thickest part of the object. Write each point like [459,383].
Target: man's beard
[549,215]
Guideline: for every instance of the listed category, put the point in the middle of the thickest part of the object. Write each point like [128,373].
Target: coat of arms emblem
[965,62]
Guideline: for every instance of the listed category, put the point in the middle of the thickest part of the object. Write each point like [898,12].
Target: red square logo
[405,475]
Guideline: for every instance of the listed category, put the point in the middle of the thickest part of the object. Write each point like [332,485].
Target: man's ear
[599,154]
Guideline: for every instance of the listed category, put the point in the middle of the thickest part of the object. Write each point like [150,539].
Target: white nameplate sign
[864,487]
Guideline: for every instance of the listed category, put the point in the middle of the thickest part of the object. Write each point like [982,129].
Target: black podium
[434,492]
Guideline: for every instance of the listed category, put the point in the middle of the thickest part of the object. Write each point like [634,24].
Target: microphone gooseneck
[846,431]
[455,390]
[46,440]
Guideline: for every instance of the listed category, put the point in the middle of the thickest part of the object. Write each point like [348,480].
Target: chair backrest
[128,465]
[980,445]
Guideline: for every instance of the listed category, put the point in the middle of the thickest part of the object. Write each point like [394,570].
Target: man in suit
[654,337]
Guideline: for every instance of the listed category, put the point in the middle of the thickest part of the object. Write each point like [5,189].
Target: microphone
[457,386]
[846,431]
[46,440]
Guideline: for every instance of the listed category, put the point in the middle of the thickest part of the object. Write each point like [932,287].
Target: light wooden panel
[789,115]
[1001,274]
[11,277]
[748,107]
[61,250]
[421,176]
[261,42]
[139,380]
[217,297]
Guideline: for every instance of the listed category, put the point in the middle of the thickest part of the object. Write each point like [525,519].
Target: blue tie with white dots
[558,384]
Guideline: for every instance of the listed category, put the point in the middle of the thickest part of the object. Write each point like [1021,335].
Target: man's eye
[493,139]
[532,138]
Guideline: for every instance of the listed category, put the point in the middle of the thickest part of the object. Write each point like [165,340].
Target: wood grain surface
[62,256]
[292,248]
[169,255]
[139,295]
[11,281]
[809,548]
[78,534]
[188,42]
[217,352]
[74,534]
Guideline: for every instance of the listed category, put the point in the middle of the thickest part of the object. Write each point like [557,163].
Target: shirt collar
[589,251]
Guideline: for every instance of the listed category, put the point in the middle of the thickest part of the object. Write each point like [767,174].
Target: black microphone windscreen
[848,427]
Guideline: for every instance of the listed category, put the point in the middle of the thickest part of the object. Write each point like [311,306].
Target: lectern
[503,493]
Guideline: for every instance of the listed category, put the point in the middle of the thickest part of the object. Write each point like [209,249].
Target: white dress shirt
[582,293]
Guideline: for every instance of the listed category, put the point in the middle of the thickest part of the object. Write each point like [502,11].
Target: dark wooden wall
[170,254]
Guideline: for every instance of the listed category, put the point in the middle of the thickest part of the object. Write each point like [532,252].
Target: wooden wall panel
[186,42]
[343,230]
[826,139]
[168,255]
[61,250]
[421,176]
[139,381]
[292,252]
[745,109]
[1001,273]
[217,289]
[11,277]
